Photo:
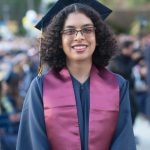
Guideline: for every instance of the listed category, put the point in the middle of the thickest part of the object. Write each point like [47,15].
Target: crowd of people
[18,68]
[133,64]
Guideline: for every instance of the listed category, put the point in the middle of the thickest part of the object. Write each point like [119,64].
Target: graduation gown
[147,59]
[32,133]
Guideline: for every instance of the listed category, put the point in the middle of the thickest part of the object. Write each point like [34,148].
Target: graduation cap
[60,4]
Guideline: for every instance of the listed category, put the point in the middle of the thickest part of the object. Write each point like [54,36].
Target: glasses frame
[77,31]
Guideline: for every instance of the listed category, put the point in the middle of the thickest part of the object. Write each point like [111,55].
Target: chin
[83,58]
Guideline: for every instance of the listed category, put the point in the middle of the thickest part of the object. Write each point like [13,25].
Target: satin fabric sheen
[60,110]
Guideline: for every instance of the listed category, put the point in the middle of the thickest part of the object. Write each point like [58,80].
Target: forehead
[77,19]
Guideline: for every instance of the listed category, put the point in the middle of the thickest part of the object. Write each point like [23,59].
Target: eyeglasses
[86,31]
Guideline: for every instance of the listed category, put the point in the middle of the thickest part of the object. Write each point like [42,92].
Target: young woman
[78,104]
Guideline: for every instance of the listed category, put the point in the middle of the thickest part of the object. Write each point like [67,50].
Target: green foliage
[109,3]
[137,2]
[21,31]
[18,8]
[129,3]
[117,28]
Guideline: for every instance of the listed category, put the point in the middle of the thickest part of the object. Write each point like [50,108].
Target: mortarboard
[60,4]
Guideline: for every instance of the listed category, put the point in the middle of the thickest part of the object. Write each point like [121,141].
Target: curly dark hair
[53,54]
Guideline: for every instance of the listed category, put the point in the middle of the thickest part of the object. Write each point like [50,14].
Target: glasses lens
[85,31]
[88,30]
[69,31]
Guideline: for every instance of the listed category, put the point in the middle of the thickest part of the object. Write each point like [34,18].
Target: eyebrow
[85,25]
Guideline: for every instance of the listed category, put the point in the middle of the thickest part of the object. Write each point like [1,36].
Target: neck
[81,71]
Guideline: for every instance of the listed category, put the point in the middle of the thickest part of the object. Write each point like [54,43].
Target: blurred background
[19,60]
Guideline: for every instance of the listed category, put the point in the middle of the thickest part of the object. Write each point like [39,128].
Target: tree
[17,8]
[115,4]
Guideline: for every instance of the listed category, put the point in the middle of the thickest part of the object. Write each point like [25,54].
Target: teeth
[79,47]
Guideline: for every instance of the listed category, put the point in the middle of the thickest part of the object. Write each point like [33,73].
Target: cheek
[93,42]
[65,43]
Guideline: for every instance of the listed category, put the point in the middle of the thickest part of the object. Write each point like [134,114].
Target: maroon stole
[60,110]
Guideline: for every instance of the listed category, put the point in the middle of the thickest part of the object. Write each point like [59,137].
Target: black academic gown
[147,59]
[32,131]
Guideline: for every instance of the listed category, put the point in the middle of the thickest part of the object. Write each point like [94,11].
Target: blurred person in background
[140,85]
[30,70]
[26,67]
[78,104]
[123,64]
[10,105]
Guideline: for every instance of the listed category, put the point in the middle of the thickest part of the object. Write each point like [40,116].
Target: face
[128,51]
[78,37]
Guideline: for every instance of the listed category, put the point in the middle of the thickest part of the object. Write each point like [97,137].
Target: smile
[79,47]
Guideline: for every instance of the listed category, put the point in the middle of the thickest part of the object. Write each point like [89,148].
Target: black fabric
[83,105]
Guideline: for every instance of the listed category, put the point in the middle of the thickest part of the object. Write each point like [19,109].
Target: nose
[79,35]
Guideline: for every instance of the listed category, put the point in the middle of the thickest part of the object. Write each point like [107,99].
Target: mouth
[79,48]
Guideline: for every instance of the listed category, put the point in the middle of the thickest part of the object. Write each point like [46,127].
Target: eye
[88,30]
[69,31]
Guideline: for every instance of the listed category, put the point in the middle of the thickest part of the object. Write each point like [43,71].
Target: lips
[79,47]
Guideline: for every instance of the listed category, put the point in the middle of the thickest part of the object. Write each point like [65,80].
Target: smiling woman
[78,104]
[80,45]
[51,45]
